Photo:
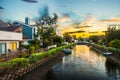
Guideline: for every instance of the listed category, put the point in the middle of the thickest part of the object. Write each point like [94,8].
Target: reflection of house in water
[112,69]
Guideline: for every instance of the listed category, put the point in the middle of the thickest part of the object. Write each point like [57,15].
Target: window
[13,46]
[2,48]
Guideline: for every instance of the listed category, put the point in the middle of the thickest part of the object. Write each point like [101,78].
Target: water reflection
[113,70]
[84,64]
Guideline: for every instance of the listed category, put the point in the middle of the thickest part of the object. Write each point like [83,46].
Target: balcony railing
[4,35]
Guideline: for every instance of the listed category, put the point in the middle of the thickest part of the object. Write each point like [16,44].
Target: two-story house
[9,37]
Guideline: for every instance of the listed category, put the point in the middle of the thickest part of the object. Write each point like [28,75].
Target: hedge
[111,49]
[13,64]
[31,49]
[16,63]
[38,56]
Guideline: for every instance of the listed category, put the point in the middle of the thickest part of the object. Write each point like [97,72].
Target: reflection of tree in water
[112,69]
[50,75]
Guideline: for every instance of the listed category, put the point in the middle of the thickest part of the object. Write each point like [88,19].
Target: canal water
[84,64]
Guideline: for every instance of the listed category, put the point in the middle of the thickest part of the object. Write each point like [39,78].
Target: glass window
[13,45]
[2,48]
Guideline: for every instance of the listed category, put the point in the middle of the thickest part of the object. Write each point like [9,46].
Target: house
[9,37]
[28,30]
[9,41]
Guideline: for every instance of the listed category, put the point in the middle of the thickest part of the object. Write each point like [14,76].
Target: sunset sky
[75,9]
[91,12]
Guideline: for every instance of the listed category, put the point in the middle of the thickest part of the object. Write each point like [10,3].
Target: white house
[9,41]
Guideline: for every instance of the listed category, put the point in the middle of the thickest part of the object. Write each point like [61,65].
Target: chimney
[27,20]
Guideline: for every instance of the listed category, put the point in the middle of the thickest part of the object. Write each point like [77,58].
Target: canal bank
[84,64]
[12,69]
[78,66]
[114,57]
[41,70]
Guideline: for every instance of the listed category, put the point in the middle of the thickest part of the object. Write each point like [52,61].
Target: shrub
[38,56]
[20,62]
[59,48]
[16,63]
[5,67]
[25,46]
[31,49]
[11,65]
[35,57]
[111,49]
[22,55]
[35,43]
[52,51]
[115,43]
[58,40]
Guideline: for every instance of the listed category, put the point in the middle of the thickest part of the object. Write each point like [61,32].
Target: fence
[13,54]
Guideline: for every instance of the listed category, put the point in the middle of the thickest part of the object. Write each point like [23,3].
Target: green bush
[52,51]
[5,68]
[111,49]
[115,43]
[35,43]
[22,55]
[16,63]
[36,57]
[11,65]
[31,49]
[59,48]
[20,62]
[25,46]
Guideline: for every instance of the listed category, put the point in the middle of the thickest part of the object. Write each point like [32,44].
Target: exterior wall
[27,31]
[10,36]
[8,45]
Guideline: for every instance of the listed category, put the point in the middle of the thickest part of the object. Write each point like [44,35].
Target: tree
[67,37]
[46,29]
[58,40]
[35,43]
[112,33]
[98,39]
[47,20]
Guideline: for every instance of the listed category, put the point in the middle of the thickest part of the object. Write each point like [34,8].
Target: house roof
[25,24]
[9,27]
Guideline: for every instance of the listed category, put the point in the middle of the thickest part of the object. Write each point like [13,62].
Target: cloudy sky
[76,9]
[69,11]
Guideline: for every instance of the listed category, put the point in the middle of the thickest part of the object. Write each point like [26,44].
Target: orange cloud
[64,19]
[112,20]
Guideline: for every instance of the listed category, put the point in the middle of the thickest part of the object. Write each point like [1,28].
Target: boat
[107,53]
[67,51]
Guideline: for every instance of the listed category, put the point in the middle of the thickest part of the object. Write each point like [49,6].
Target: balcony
[4,35]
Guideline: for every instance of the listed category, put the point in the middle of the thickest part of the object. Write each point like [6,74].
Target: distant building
[84,34]
[114,25]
